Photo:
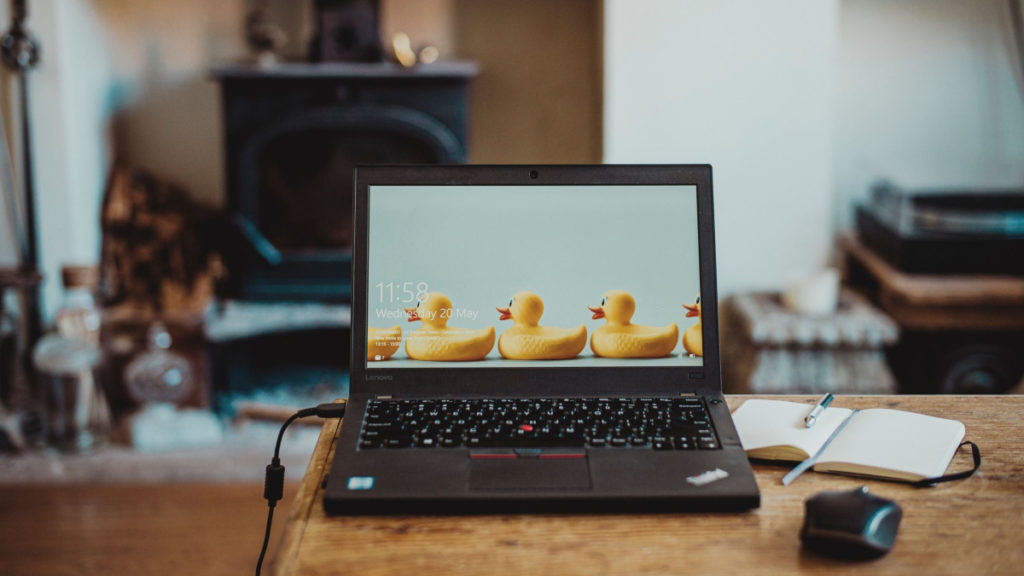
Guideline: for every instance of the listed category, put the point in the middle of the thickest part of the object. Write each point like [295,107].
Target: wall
[746,86]
[930,94]
[798,115]
[167,109]
[538,98]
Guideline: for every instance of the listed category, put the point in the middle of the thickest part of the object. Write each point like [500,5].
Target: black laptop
[535,339]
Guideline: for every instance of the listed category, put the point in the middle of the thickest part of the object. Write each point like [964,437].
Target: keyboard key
[683,443]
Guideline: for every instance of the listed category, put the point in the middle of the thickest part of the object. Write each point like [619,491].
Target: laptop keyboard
[651,423]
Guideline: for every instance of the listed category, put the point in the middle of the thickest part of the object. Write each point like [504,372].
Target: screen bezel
[441,381]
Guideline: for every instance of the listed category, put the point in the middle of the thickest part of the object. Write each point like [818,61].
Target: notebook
[878,442]
[535,339]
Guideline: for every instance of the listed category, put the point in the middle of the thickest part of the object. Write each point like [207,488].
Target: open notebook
[878,442]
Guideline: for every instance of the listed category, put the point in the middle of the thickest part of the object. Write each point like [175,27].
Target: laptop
[535,339]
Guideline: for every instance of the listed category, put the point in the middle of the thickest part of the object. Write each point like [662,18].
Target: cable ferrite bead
[273,486]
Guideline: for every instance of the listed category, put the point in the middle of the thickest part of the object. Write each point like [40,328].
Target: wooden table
[974,526]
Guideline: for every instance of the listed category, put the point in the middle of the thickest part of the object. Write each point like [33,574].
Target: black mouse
[850,525]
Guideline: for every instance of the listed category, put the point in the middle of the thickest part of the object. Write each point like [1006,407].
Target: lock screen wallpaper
[512,276]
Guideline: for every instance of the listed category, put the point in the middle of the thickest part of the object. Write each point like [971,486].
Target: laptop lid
[571,235]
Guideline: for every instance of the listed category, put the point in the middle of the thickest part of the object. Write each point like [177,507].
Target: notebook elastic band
[975,453]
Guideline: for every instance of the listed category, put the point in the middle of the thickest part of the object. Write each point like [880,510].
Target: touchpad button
[530,474]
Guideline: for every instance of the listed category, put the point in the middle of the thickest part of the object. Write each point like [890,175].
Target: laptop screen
[532,276]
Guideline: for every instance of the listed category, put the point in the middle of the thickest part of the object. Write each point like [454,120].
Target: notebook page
[763,423]
[912,445]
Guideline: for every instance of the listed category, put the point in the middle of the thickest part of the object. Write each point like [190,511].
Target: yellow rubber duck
[436,341]
[693,338]
[618,338]
[528,341]
[382,343]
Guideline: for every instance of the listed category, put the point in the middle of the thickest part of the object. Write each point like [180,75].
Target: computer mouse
[853,525]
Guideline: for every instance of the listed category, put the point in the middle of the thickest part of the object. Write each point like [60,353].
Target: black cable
[273,484]
[266,539]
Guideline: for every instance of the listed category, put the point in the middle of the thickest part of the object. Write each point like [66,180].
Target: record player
[945,231]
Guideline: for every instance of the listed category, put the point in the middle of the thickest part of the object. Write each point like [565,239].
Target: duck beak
[598,312]
[506,313]
[691,311]
[413,316]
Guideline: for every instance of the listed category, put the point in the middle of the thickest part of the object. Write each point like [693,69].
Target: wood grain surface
[969,527]
[193,529]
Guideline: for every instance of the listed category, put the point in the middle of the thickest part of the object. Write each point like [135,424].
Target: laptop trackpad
[530,474]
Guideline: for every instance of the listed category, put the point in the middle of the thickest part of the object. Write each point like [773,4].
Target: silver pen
[812,417]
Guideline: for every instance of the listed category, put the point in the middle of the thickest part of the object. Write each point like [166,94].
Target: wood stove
[292,135]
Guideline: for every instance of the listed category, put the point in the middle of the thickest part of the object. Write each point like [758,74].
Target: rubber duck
[693,338]
[382,343]
[436,341]
[526,340]
[618,338]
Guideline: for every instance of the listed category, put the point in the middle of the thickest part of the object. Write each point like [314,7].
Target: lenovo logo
[380,377]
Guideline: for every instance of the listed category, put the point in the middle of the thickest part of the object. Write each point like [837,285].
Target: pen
[812,417]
